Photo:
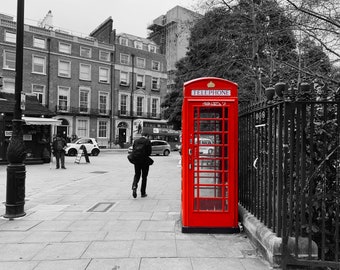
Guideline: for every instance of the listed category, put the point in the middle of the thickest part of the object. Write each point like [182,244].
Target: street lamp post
[131,96]
[16,153]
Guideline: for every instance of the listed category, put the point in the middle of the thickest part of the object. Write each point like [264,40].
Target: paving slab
[78,264]
[154,248]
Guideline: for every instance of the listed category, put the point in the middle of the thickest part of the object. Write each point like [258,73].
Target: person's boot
[134,190]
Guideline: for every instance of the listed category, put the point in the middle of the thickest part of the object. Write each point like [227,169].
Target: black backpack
[139,149]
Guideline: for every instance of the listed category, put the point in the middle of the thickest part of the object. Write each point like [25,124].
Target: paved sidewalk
[85,218]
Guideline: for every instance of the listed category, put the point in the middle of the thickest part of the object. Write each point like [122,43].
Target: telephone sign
[210,156]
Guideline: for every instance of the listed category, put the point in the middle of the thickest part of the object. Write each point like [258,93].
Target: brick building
[81,79]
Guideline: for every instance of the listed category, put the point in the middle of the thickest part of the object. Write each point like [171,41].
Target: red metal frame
[210,156]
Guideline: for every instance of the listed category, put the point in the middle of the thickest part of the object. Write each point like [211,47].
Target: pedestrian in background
[58,146]
[141,160]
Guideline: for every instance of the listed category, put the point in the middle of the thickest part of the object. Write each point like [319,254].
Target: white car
[91,145]
[205,146]
[159,147]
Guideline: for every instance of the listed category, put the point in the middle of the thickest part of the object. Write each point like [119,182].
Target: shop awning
[41,121]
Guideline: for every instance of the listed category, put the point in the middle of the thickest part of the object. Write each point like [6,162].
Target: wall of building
[125,121]
[51,81]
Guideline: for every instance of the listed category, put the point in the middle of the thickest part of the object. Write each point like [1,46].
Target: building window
[123,41]
[138,45]
[8,85]
[124,59]
[9,60]
[84,99]
[104,75]
[39,43]
[123,104]
[85,52]
[85,72]
[104,56]
[39,91]
[152,48]
[10,37]
[64,68]
[155,65]
[140,81]
[63,98]
[155,83]
[102,129]
[82,127]
[103,102]
[140,62]
[38,64]
[154,107]
[140,106]
[64,48]
[124,80]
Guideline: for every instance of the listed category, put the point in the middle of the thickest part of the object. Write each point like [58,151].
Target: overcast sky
[83,16]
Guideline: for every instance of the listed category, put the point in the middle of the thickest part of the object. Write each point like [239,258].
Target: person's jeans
[140,169]
[60,158]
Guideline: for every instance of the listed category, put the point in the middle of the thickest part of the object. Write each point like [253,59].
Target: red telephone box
[210,156]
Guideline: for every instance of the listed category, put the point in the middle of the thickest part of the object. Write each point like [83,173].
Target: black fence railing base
[291,262]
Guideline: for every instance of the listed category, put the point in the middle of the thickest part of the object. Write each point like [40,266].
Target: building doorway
[122,126]
[63,128]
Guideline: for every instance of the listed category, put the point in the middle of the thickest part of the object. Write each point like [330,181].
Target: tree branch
[314,14]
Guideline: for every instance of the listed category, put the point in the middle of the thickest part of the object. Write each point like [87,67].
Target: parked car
[91,145]
[159,147]
[204,149]
[205,146]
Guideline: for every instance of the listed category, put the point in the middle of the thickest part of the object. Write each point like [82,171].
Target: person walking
[58,145]
[141,152]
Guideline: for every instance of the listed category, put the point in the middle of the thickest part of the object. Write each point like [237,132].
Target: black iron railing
[289,173]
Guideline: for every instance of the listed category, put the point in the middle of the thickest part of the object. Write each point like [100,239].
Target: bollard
[15,192]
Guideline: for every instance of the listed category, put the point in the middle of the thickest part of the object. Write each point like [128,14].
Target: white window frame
[100,104]
[123,41]
[87,90]
[65,47]
[124,59]
[104,56]
[8,85]
[138,44]
[155,65]
[85,52]
[67,90]
[39,91]
[67,73]
[140,81]
[152,48]
[142,105]
[39,42]
[9,64]
[140,62]
[104,75]
[83,131]
[10,37]
[153,79]
[106,122]
[85,72]
[125,81]
[121,104]
[155,109]
[38,64]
